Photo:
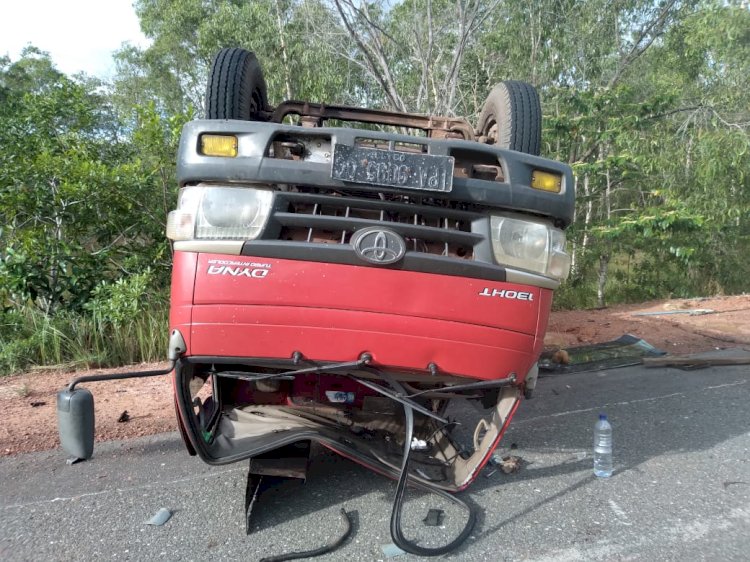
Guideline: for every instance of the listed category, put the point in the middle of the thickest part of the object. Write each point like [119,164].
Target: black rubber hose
[325,549]
[396,533]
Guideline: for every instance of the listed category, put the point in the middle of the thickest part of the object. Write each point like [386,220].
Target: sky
[79,35]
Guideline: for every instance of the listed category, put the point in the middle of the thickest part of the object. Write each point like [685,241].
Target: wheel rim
[491,131]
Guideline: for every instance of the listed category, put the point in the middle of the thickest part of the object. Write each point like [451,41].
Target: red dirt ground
[28,400]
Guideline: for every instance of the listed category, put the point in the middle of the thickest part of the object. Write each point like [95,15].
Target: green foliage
[29,337]
[661,159]
[83,196]
[648,101]
[51,191]
[121,301]
[83,202]
[288,36]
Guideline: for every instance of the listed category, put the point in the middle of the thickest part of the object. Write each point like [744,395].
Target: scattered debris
[732,483]
[434,518]
[490,473]
[419,444]
[691,312]
[73,460]
[513,446]
[561,357]
[624,351]
[161,517]
[391,550]
[510,464]
[124,417]
[507,464]
[23,390]
[325,549]
[694,362]
[37,403]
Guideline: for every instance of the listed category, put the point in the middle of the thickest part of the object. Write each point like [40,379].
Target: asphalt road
[681,490]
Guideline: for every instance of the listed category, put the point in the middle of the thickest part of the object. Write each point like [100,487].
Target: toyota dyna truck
[352,277]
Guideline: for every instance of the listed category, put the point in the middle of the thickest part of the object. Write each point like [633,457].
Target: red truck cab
[376,282]
[316,265]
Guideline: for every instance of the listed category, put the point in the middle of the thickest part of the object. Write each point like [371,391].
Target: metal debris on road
[507,464]
[624,351]
[161,517]
[690,363]
[691,312]
[510,464]
[391,550]
[434,518]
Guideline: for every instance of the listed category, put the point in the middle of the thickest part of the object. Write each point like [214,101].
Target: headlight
[532,245]
[219,213]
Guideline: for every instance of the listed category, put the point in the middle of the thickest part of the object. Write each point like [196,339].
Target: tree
[78,203]
[648,101]
[186,35]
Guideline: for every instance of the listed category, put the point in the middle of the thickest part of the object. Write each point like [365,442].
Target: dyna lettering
[237,271]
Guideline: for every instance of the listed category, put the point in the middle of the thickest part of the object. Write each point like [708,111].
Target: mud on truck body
[355,286]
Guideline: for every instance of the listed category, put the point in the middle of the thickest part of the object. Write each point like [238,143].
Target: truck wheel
[512,117]
[236,88]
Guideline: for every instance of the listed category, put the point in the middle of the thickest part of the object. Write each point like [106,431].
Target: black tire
[236,88]
[512,117]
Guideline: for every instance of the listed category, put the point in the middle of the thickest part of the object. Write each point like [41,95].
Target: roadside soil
[29,407]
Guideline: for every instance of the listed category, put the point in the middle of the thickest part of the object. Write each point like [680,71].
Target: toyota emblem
[379,245]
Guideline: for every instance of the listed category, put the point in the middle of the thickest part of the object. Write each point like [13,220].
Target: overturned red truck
[347,275]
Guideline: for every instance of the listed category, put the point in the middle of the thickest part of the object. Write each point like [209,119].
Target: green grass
[30,338]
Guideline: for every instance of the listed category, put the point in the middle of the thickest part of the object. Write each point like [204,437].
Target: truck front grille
[427,224]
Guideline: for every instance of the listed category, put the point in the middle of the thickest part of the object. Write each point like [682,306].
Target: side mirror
[75,406]
[75,422]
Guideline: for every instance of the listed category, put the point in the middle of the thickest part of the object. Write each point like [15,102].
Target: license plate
[426,172]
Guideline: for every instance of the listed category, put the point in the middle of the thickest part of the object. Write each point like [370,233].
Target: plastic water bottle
[603,447]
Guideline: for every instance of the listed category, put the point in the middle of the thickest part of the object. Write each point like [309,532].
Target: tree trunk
[284,55]
[604,257]
[574,244]
[587,216]
[54,272]
[601,300]
[371,48]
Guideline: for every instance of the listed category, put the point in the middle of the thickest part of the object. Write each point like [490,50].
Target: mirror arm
[116,376]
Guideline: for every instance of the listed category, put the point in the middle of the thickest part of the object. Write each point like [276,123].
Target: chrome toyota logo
[379,245]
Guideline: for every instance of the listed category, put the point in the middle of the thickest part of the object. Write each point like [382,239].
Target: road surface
[681,489]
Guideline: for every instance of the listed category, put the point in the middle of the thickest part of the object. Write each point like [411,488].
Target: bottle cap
[602,416]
